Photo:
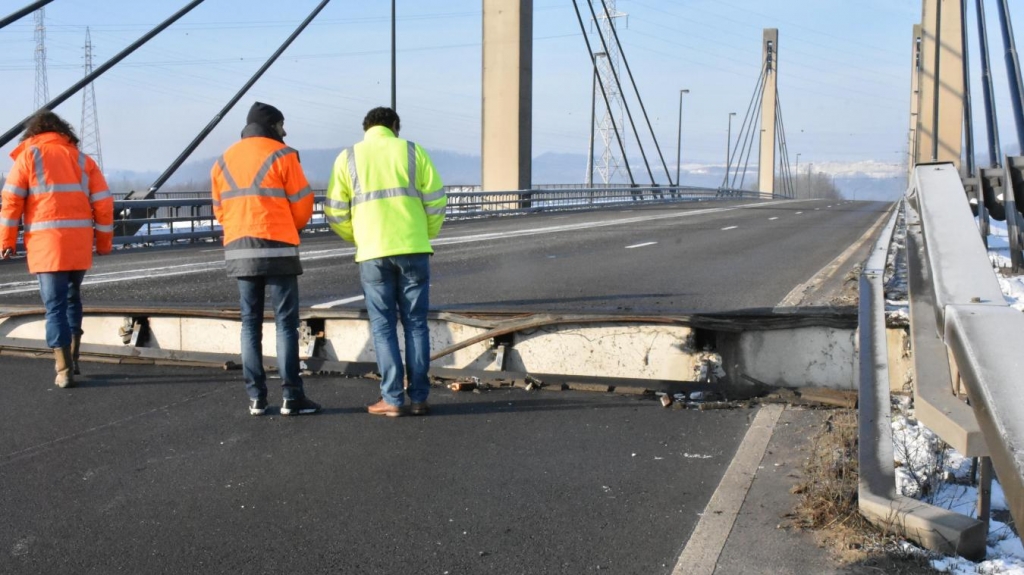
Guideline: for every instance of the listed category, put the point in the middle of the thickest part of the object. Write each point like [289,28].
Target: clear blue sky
[844,72]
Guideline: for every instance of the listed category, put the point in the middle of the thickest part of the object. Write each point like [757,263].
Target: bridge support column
[769,102]
[940,108]
[507,95]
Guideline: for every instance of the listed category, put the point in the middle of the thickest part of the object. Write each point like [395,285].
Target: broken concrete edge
[468,379]
[933,528]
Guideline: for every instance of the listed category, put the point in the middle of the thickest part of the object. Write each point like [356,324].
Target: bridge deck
[146,469]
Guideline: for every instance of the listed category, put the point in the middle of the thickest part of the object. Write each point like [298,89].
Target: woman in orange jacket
[66,205]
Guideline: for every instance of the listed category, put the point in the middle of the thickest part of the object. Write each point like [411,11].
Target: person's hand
[7,253]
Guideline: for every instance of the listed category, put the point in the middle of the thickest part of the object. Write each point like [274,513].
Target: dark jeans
[61,293]
[284,296]
[393,286]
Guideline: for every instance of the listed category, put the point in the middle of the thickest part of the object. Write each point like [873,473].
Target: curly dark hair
[47,121]
[381,116]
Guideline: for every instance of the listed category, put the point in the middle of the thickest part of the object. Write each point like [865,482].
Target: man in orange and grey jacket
[262,199]
[66,206]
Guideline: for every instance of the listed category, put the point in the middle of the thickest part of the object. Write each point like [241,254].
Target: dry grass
[828,504]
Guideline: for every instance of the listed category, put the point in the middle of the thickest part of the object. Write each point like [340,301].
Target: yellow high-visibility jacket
[385,196]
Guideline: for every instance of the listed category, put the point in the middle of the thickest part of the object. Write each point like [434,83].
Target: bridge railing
[965,339]
[190,218]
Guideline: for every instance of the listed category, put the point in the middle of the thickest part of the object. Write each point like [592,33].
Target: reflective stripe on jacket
[65,203]
[262,199]
[385,196]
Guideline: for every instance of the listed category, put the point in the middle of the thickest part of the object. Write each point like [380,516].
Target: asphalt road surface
[700,256]
[145,469]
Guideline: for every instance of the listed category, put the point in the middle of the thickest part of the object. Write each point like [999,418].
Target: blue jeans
[61,293]
[284,296]
[399,285]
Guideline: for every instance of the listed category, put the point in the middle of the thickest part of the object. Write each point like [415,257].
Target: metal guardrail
[955,301]
[981,332]
[191,218]
[932,527]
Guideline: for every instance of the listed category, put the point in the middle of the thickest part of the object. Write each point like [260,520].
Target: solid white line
[775,218]
[708,539]
[640,245]
[330,304]
[730,228]
[796,295]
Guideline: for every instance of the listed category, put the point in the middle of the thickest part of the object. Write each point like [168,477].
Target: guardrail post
[1012,184]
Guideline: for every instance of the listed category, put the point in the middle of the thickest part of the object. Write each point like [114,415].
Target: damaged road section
[743,353]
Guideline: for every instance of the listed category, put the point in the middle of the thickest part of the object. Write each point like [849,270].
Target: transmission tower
[612,159]
[42,88]
[90,132]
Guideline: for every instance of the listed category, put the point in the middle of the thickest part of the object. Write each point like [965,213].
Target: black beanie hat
[264,114]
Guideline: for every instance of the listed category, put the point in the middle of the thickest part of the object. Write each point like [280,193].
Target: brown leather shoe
[384,408]
[419,408]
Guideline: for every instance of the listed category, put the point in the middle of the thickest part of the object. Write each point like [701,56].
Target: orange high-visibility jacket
[262,199]
[65,202]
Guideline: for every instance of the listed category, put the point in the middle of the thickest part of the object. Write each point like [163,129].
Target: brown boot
[384,408]
[76,346]
[64,363]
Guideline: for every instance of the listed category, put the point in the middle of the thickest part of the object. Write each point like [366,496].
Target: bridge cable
[751,119]
[751,136]
[753,98]
[629,114]
[604,94]
[231,103]
[10,134]
[787,174]
[991,120]
[1012,71]
[18,15]
[639,99]
[968,107]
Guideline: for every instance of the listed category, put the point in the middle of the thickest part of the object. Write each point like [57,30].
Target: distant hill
[862,181]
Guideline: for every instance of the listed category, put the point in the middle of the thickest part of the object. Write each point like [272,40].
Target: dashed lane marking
[330,304]
[775,218]
[729,228]
[645,244]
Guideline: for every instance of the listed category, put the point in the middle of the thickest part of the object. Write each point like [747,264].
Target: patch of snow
[930,471]
[999,255]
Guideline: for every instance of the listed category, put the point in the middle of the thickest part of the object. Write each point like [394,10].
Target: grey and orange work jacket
[262,199]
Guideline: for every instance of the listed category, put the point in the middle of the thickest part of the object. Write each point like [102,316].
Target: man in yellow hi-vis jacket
[386,197]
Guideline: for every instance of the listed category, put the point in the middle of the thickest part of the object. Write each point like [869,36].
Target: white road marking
[700,556]
[145,272]
[775,218]
[798,213]
[330,304]
[730,228]
[640,245]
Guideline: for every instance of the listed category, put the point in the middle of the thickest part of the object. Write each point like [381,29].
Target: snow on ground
[941,477]
[999,254]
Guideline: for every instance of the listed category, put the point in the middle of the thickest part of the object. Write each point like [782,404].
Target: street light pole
[679,137]
[394,98]
[796,190]
[728,151]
